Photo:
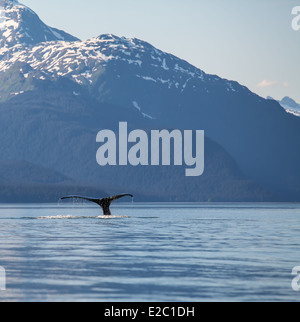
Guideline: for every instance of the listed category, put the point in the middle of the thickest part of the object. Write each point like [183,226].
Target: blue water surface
[150,252]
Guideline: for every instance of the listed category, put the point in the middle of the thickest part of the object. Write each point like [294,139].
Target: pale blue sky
[251,42]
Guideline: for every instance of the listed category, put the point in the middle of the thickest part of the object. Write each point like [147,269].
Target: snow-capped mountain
[290,105]
[45,53]
[62,58]
[85,62]
[20,26]
[57,92]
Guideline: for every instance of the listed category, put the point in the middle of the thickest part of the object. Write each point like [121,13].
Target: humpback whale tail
[103,203]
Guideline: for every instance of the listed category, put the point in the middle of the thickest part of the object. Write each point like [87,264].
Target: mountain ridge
[290,105]
[21,26]
[56,95]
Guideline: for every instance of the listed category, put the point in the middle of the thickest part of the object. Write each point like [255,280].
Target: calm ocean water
[150,252]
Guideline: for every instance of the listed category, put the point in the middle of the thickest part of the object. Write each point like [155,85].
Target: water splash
[77,217]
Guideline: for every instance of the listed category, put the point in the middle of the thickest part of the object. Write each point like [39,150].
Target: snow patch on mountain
[136,105]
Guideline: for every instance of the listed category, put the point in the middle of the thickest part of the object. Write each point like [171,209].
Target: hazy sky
[252,42]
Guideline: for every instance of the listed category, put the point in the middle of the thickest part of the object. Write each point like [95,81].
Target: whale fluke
[103,203]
